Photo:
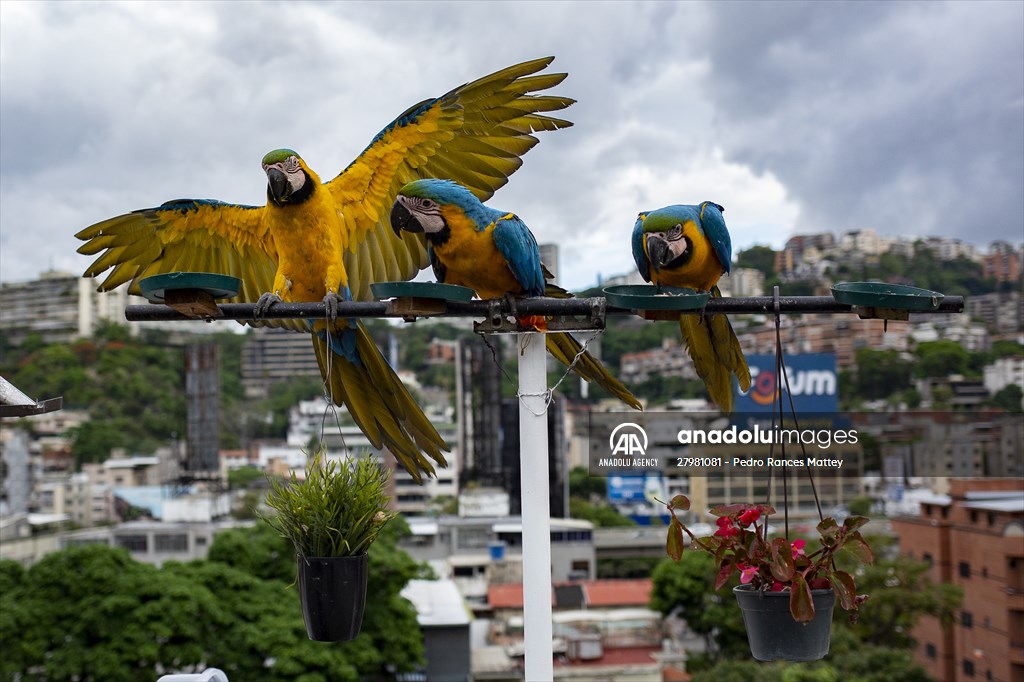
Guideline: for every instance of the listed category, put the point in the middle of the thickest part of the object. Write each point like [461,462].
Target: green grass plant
[337,510]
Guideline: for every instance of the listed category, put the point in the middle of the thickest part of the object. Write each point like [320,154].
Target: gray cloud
[903,117]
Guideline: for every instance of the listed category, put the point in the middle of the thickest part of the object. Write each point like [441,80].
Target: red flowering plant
[741,545]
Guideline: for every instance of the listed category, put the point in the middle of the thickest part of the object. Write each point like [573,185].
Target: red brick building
[974,538]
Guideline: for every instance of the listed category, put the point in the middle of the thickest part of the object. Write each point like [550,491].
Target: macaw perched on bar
[328,242]
[689,247]
[495,254]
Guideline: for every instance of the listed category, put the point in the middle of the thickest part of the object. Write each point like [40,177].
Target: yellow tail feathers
[381,405]
[564,347]
[716,354]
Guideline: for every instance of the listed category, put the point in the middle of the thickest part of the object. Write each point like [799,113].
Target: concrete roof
[597,593]
[437,602]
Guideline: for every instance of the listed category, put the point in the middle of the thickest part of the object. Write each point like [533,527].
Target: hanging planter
[333,594]
[773,633]
[331,517]
[787,590]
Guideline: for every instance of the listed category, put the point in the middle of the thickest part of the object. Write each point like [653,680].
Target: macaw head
[289,179]
[420,206]
[669,234]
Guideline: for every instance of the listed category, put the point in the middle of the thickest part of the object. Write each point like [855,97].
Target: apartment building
[974,538]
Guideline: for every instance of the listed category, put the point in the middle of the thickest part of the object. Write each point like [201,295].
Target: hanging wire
[329,393]
[549,394]
[782,379]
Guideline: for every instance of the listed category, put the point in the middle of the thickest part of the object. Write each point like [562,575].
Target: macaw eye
[290,165]
[427,203]
[675,233]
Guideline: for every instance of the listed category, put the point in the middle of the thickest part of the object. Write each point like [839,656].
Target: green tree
[585,486]
[900,593]
[860,506]
[93,613]
[1008,398]
[758,257]
[940,359]
[880,373]
[599,513]
[244,477]
[686,588]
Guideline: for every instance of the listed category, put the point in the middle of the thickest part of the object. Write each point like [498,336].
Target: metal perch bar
[526,306]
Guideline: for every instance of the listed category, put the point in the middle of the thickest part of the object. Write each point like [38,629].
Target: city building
[1008,371]
[59,306]
[15,472]
[1001,311]
[270,356]
[742,282]
[938,444]
[973,538]
[1003,263]
[843,335]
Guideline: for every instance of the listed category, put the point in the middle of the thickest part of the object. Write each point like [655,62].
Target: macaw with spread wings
[329,241]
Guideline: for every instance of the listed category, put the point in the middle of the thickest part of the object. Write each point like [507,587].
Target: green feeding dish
[444,292]
[881,295]
[653,297]
[156,287]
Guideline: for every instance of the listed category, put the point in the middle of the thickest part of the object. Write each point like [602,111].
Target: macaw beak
[279,188]
[658,252]
[403,219]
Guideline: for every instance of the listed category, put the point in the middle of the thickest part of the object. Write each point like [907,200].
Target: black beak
[657,251]
[279,189]
[402,219]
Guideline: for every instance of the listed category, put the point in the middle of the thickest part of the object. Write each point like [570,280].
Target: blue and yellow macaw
[329,241]
[495,254]
[689,247]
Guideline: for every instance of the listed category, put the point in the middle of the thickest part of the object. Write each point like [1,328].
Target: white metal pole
[533,458]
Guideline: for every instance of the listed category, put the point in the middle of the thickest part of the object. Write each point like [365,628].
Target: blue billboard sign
[635,488]
[813,380]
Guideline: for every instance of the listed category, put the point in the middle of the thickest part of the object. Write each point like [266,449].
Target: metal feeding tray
[889,296]
[192,294]
[157,287]
[435,290]
[654,297]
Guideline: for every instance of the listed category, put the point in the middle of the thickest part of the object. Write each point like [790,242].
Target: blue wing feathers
[186,205]
[639,255]
[522,255]
[713,224]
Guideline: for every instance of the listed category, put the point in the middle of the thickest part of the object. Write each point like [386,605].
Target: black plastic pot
[773,634]
[333,593]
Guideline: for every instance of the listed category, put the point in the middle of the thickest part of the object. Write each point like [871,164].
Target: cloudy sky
[903,117]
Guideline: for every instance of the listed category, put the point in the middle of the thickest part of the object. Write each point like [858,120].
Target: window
[966,619]
[133,543]
[927,558]
[968,667]
[965,569]
[930,652]
[171,543]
